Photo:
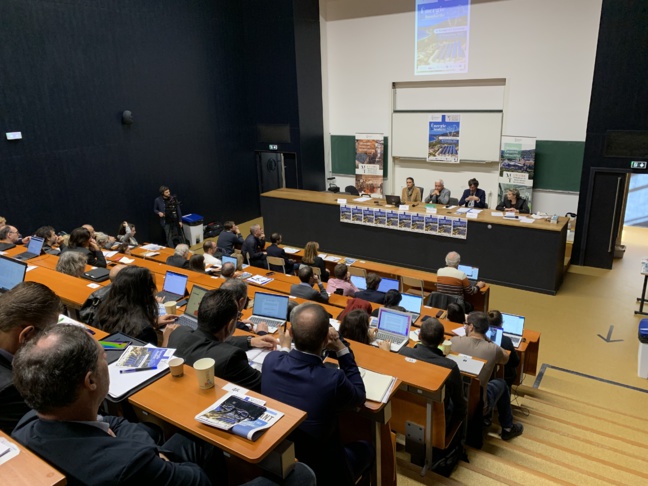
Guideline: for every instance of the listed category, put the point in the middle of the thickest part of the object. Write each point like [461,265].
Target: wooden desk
[178,400]
[526,256]
[27,469]
[72,291]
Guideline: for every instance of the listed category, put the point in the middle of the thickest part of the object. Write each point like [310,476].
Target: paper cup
[205,372]
[170,307]
[176,365]
[447,346]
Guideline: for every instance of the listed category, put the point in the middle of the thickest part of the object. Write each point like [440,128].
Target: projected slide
[442,28]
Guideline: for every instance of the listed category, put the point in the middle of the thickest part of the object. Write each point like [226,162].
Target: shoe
[516,430]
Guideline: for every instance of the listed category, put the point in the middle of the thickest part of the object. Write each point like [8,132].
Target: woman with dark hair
[510,368]
[355,326]
[513,202]
[392,299]
[456,314]
[126,233]
[197,263]
[81,241]
[311,259]
[130,306]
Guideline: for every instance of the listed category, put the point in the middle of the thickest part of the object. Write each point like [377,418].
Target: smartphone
[269,273]
[439,314]
[181,303]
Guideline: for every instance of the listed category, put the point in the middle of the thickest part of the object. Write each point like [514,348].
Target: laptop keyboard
[273,324]
[383,336]
[186,321]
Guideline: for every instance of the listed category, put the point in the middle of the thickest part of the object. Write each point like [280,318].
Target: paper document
[109,254]
[152,247]
[259,279]
[8,450]
[460,331]
[331,258]
[122,383]
[126,260]
[526,220]
[290,251]
[377,386]
[362,199]
[463,210]
[467,364]
[497,213]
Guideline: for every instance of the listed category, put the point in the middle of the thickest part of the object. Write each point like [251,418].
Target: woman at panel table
[513,202]
[411,193]
[473,197]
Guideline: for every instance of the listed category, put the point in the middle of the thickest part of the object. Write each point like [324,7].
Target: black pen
[135,370]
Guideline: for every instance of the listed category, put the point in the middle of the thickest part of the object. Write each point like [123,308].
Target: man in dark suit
[300,379]
[275,250]
[431,336]
[25,311]
[473,197]
[180,257]
[305,289]
[229,238]
[63,375]
[253,247]
[372,294]
[217,317]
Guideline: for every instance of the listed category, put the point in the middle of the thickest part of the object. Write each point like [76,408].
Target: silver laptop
[33,249]
[412,304]
[190,316]
[393,326]
[271,309]
[471,272]
[12,273]
[513,327]
[175,286]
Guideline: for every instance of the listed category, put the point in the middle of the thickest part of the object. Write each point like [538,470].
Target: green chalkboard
[343,154]
[558,165]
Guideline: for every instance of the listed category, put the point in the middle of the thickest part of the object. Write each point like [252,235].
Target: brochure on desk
[242,415]
[431,224]
[123,385]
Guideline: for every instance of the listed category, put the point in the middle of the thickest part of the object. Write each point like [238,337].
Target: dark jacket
[480,193]
[12,405]
[375,296]
[520,204]
[305,291]
[178,261]
[227,240]
[94,258]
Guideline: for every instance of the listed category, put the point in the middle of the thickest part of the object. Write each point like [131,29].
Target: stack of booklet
[242,415]
[259,280]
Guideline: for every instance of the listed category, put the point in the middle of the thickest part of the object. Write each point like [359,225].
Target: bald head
[115,270]
[310,327]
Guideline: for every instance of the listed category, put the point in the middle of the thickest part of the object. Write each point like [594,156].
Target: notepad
[377,385]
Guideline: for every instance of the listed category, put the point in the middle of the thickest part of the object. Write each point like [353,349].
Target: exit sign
[274,147]
[638,164]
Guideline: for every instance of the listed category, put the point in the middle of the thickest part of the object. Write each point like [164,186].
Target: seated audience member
[217,316]
[355,326]
[495,392]
[180,257]
[51,240]
[439,194]
[240,290]
[514,203]
[275,250]
[197,263]
[63,375]
[89,308]
[353,304]
[126,234]
[372,294]
[411,193]
[209,250]
[311,259]
[71,263]
[305,289]
[456,314]
[253,247]
[82,242]
[300,379]
[341,280]
[10,235]
[229,238]
[392,299]
[130,306]
[25,311]
[452,281]
[228,270]
[473,197]
[431,336]
[106,243]
[510,368]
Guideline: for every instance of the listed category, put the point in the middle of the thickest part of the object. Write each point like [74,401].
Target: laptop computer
[33,249]
[6,246]
[412,304]
[393,326]
[495,334]
[359,282]
[190,316]
[471,272]
[513,327]
[175,286]
[271,309]
[387,284]
[393,200]
[97,274]
[12,272]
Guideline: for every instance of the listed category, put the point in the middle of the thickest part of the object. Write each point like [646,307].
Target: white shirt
[211,260]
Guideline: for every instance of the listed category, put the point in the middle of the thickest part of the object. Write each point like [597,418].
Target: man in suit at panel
[372,294]
[180,257]
[305,289]
[217,317]
[431,336]
[438,195]
[300,379]
[25,311]
[473,197]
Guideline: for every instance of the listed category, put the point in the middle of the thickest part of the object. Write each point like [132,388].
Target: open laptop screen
[228,259]
[495,335]
[387,284]
[412,303]
[359,282]
[394,321]
[471,272]
[270,305]
[35,245]
[196,297]
[12,272]
[513,324]
[175,283]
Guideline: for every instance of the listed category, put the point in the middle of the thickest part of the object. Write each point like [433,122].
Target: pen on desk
[135,370]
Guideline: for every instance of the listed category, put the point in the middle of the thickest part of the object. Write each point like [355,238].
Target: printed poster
[405,220]
[345,213]
[418,222]
[392,218]
[459,228]
[445,226]
[443,137]
[380,217]
[431,223]
[368,216]
[369,163]
[356,214]
[517,167]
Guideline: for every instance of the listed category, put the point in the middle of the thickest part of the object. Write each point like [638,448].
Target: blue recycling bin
[643,348]
[192,224]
